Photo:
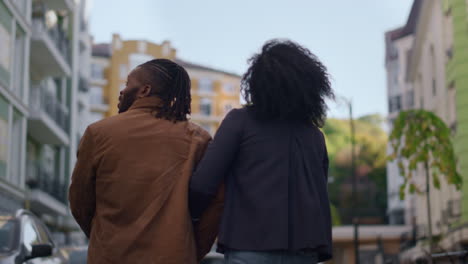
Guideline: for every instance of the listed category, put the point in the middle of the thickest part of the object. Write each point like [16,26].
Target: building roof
[401,32]
[104,50]
[101,50]
[205,68]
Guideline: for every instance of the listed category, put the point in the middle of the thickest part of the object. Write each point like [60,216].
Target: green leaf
[435,180]
[402,191]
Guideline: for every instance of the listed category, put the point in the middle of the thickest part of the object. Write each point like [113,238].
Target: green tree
[371,142]
[421,137]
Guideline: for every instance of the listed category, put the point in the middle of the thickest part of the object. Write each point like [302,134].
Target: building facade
[15,35]
[400,96]
[43,62]
[214,92]
[435,79]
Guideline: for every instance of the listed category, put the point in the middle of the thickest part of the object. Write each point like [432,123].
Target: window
[166,49]
[205,85]
[8,230]
[141,46]
[4,117]
[22,5]
[229,88]
[434,70]
[205,106]
[16,150]
[206,126]
[18,68]
[123,71]
[5,40]
[410,99]
[96,95]
[30,235]
[97,71]
[95,116]
[394,104]
[227,108]
[138,58]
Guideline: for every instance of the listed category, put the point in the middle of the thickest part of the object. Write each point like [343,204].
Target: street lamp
[355,216]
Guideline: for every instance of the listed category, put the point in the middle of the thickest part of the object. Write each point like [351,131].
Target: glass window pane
[96,95]
[205,106]
[138,58]
[97,71]
[4,113]
[18,70]
[123,71]
[16,150]
[95,116]
[229,88]
[205,85]
[5,54]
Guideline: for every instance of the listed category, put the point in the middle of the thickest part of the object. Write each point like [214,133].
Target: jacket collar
[150,102]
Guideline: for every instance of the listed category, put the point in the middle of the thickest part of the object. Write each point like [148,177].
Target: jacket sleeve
[206,227]
[82,193]
[216,164]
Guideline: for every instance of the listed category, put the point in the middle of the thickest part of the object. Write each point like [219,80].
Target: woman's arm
[216,163]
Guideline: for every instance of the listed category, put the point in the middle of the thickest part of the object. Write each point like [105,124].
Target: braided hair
[170,82]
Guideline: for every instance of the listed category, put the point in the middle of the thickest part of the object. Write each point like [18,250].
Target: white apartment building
[44,71]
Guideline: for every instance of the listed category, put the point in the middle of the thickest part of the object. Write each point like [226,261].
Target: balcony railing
[58,37]
[41,179]
[42,100]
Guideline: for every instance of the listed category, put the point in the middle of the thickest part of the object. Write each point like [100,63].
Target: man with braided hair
[129,190]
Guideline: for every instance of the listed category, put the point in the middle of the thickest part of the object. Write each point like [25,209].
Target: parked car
[25,239]
[75,255]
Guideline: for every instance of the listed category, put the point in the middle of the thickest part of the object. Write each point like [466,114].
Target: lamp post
[355,215]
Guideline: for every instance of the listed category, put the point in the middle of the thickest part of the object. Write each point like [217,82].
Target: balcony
[48,194]
[60,4]
[50,51]
[49,119]
[99,103]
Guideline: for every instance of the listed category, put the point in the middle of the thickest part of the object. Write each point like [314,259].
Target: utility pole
[353,176]
[354,209]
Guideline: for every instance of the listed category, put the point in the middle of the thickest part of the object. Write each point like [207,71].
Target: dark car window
[8,235]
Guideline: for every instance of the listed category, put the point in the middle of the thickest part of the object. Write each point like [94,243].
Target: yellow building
[214,92]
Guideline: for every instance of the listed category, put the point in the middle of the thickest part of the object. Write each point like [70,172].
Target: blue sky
[348,36]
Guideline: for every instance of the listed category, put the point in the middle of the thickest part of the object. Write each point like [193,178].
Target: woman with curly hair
[272,158]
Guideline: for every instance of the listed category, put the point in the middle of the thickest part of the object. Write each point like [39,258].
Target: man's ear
[145,91]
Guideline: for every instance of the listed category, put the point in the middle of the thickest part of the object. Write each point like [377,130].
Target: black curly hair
[287,82]
[172,84]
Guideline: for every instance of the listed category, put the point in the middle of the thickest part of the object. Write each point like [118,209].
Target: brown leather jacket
[129,190]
